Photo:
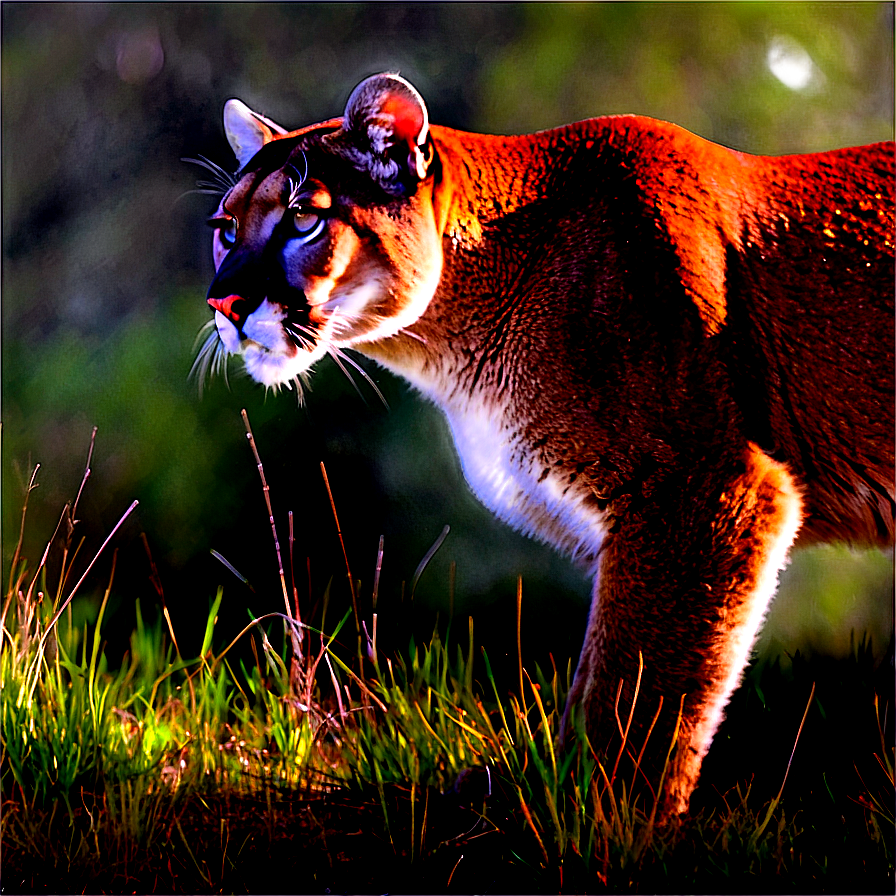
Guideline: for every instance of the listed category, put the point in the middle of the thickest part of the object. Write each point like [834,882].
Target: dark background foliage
[106,262]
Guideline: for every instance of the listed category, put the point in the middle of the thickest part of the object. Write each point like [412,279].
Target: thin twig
[377,571]
[15,556]
[376,591]
[74,590]
[156,580]
[297,650]
[455,868]
[68,600]
[267,500]
[86,474]
[72,519]
[774,803]
[348,571]
[298,641]
[519,642]
[292,568]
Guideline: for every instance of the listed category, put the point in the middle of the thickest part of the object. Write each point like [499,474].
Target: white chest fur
[505,473]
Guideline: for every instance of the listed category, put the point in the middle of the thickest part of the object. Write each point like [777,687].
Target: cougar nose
[234,308]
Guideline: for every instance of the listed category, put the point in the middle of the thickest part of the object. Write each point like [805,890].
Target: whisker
[302,335]
[296,185]
[300,384]
[204,332]
[303,328]
[208,190]
[338,322]
[209,341]
[211,359]
[223,180]
[413,335]
[341,352]
[205,361]
[337,356]
[223,366]
[209,165]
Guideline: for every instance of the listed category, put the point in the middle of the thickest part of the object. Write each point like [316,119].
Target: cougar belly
[507,476]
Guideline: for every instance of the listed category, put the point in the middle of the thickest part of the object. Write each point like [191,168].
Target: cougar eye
[308,223]
[228,233]
[227,228]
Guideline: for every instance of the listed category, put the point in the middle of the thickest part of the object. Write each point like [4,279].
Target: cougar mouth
[278,346]
[280,342]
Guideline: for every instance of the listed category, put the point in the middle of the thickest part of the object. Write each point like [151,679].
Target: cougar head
[328,239]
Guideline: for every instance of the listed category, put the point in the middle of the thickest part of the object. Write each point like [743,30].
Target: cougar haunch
[670,360]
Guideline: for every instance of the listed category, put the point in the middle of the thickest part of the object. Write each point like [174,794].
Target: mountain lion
[670,360]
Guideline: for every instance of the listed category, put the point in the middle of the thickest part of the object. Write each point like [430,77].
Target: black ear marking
[390,109]
[389,120]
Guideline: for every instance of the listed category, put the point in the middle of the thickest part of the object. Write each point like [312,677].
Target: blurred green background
[106,262]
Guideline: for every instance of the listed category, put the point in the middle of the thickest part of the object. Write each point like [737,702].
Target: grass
[288,759]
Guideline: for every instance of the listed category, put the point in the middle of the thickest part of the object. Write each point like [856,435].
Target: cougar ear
[247,131]
[388,118]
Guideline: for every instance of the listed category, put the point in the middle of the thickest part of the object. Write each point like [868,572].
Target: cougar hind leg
[687,590]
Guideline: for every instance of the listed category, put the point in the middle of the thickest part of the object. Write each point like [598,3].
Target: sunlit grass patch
[291,757]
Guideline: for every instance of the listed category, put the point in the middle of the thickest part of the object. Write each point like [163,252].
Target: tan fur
[666,358]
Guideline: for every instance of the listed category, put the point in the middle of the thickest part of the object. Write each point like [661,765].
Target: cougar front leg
[687,586]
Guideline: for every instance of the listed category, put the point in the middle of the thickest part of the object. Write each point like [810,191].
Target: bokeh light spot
[789,62]
[139,56]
